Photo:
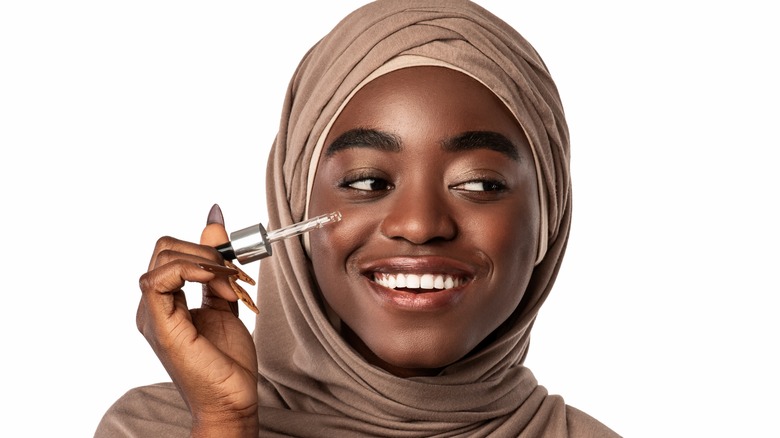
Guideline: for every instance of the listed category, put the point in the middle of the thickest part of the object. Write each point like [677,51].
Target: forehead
[427,101]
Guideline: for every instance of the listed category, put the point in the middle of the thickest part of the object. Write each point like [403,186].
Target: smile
[418,281]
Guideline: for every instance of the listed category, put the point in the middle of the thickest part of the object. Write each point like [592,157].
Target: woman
[437,132]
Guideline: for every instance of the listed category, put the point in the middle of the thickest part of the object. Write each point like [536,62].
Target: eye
[367,184]
[481,186]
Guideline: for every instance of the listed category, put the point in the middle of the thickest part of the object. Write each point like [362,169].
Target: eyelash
[488,185]
[366,176]
[350,184]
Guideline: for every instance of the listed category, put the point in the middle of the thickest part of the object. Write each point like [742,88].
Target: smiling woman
[436,131]
[441,185]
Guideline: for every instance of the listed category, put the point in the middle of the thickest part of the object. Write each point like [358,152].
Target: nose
[419,214]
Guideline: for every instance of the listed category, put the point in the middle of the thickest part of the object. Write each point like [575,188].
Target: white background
[124,121]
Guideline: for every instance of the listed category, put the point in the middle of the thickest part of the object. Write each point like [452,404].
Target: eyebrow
[383,141]
[482,140]
[364,138]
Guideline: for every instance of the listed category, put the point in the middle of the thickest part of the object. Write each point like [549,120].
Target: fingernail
[243,295]
[241,274]
[215,216]
[217,269]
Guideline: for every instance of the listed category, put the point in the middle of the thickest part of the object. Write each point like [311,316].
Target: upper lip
[418,265]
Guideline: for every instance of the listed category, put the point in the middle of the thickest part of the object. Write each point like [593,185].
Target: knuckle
[164,242]
[165,255]
[145,282]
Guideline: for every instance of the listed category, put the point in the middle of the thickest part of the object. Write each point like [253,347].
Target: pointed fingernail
[241,274]
[243,295]
[215,216]
[217,269]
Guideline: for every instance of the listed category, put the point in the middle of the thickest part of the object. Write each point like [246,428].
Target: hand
[208,352]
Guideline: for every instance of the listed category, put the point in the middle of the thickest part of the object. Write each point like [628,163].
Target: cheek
[509,238]
[331,247]
[524,227]
[341,238]
[515,253]
[333,250]
[524,222]
[327,243]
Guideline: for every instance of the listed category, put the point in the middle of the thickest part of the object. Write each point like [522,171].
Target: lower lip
[435,299]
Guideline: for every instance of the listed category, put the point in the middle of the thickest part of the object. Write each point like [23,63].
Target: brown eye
[368,184]
[481,186]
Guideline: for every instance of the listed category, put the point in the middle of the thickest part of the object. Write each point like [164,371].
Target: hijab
[312,383]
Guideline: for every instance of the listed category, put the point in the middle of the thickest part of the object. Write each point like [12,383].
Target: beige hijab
[311,382]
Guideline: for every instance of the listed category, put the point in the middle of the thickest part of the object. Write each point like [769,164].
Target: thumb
[214,234]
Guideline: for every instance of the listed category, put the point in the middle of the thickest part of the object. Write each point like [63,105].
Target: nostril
[421,232]
[420,224]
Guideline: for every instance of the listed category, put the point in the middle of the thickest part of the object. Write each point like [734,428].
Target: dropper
[254,243]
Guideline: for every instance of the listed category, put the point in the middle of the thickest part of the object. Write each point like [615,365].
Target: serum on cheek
[254,243]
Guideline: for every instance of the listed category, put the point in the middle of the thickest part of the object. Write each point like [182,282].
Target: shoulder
[153,410]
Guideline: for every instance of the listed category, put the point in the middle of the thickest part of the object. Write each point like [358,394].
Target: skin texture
[432,174]
[208,352]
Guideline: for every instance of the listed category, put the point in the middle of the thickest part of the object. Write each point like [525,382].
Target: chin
[413,360]
[408,352]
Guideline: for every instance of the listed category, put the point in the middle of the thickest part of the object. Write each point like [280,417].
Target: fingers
[163,306]
[168,247]
[175,262]
[214,234]
[208,352]
[205,258]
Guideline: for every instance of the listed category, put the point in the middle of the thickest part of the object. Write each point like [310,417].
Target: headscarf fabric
[312,383]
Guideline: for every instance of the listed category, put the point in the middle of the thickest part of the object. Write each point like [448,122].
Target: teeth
[416,281]
[413,281]
[426,281]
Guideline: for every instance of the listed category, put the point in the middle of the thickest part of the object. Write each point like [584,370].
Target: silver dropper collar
[254,243]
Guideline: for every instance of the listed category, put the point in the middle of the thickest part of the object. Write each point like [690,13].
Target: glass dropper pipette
[254,243]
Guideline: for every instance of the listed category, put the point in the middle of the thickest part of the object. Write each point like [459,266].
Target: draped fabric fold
[305,364]
[312,383]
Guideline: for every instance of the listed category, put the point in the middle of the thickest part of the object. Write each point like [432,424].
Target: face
[437,187]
